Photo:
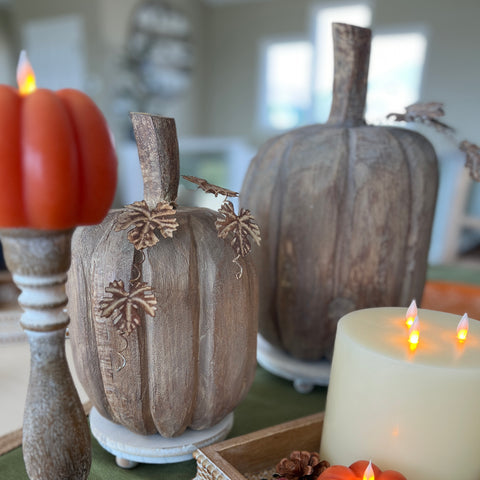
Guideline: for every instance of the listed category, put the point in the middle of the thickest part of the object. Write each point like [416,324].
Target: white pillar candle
[415,411]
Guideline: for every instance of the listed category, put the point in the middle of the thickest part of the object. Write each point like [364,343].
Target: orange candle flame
[462,328]
[25,75]
[414,334]
[369,475]
[412,312]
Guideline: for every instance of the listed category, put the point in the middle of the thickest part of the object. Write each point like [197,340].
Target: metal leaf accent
[242,227]
[472,161]
[146,221]
[427,113]
[209,187]
[124,307]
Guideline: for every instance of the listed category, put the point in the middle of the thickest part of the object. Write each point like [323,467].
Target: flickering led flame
[462,328]
[412,312]
[25,76]
[369,475]
[414,334]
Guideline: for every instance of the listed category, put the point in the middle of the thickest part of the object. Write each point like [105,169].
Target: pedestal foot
[125,463]
[301,386]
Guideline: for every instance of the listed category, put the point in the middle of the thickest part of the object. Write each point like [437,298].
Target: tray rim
[220,461]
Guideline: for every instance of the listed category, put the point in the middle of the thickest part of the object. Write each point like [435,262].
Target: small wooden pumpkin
[356,471]
[164,336]
[345,210]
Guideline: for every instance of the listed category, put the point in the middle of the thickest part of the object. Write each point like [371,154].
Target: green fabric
[454,273]
[271,400]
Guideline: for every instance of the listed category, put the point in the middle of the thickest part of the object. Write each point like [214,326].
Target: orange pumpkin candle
[58,167]
[361,470]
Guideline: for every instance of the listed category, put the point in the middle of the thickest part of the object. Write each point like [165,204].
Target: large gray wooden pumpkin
[346,211]
[164,337]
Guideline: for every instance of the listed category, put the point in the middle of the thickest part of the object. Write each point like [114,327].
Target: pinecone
[301,465]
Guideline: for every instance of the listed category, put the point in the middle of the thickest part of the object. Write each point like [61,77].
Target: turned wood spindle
[56,437]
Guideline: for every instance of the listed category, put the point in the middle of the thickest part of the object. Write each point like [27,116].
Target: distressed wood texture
[240,457]
[192,362]
[345,211]
[56,437]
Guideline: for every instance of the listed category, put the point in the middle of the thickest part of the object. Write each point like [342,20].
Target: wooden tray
[257,451]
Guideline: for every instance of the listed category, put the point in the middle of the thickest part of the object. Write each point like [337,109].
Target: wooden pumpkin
[346,212]
[357,470]
[164,335]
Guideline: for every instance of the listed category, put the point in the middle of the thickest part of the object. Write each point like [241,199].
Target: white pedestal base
[305,375]
[131,448]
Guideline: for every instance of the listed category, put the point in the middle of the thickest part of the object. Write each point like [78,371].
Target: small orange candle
[369,473]
[361,470]
[58,166]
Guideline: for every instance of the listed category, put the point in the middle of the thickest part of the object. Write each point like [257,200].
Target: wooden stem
[351,59]
[157,145]
[56,436]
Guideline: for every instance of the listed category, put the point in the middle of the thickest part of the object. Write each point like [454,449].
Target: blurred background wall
[219,97]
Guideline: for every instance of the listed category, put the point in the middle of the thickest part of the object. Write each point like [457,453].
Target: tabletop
[271,400]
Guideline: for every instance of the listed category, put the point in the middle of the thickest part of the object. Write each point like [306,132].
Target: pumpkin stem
[157,145]
[351,47]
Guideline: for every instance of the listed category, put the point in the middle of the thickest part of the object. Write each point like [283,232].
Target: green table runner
[271,400]
[455,273]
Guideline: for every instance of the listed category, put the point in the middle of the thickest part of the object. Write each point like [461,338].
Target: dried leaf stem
[428,114]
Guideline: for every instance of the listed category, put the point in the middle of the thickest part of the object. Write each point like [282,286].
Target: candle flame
[412,312]
[369,475]
[462,328]
[414,334]
[25,75]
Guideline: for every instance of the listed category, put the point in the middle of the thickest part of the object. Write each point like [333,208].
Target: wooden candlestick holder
[56,437]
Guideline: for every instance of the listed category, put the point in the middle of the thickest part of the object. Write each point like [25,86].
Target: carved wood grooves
[346,216]
[194,361]
[191,363]
[336,256]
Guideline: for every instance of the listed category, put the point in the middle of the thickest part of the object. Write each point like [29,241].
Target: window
[298,74]
[396,67]
[287,72]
